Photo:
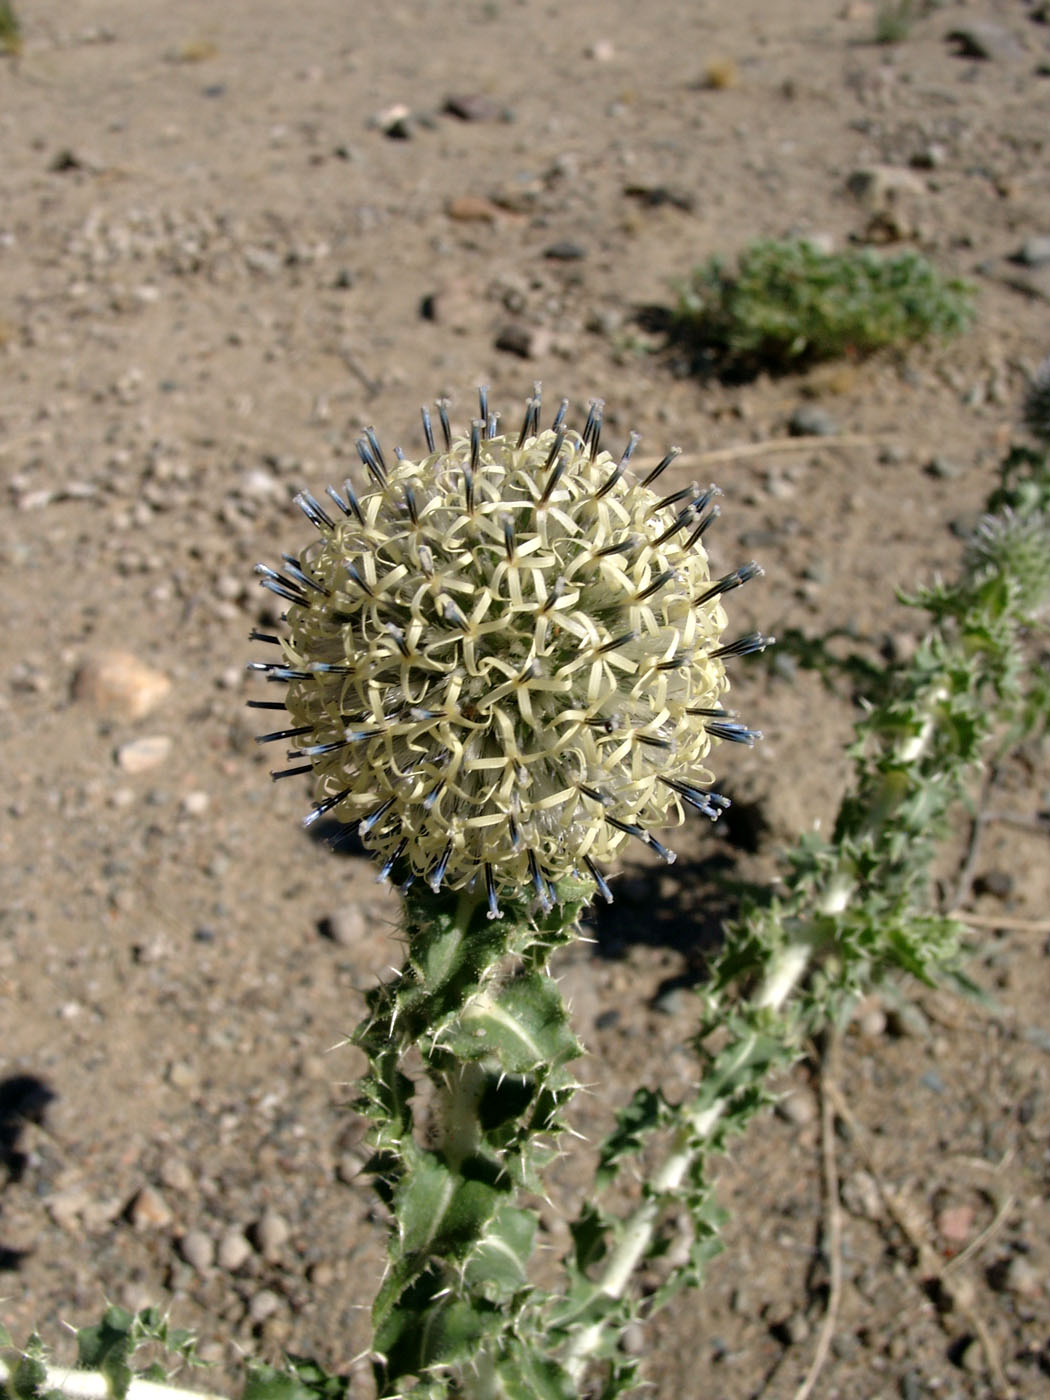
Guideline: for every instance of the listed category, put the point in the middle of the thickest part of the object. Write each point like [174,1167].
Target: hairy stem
[689,1140]
[784,972]
[95,1385]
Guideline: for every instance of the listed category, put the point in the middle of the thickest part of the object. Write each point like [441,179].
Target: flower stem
[788,969]
[95,1385]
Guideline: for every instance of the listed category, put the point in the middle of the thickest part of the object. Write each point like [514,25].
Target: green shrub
[788,303]
[893,21]
[10,30]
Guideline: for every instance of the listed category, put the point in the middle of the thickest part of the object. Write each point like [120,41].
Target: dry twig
[806,443]
[965,916]
[833,1208]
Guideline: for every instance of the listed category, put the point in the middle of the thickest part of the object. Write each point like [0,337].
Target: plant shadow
[24,1099]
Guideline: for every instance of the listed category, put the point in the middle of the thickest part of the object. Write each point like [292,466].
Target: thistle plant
[454,689]
[501,662]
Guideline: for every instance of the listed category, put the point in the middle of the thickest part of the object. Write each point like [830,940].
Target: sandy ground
[220,255]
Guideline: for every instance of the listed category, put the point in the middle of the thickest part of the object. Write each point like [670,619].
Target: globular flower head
[1037,402]
[507,658]
[1015,547]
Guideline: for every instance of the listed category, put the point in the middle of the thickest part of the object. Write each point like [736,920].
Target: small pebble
[943,468]
[349,1167]
[998,883]
[971,1357]
[932,1080]
[601,51]
[198,1249]
[66,1206]
[810,421]
[882,186]
[860,1195]
[120,685]
[263,1305]
[798,1107]
[930,157]
[472,208]
[871,1020]
[899,646]
[955,1223]
[633,1340]
[394,121]
[182,1075]
[140,755]
[528,342]
[792,1330]
[1022,1278]
[136,1297]
[659,196]
[984,39]
[345,926]
[907,1021]
[565,250]
[1034,251]
[270,1234]
[676,1001]
[1037,1036]
[149,1210]
[911,1386]
[176,1175]
[475,107]
[195,804]
[234,1251]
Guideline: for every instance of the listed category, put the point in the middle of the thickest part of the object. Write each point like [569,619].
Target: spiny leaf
[524,1026]
[29,1378]
[414,1339]
[523,1374]
[500,1260]
[589,1235]
[107,1347]
[299,1379]
[442,1211]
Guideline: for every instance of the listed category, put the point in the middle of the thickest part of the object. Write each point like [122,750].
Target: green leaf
[498,1266]
[446,1332]
[299,1379]
[441,1211]
[107,1347]
[525,1026]
[29,1378]
[647,1111]
[5,1337]
[523,1374]
[589,1235]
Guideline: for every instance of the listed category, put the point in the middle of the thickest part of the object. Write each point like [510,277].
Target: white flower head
[506,659]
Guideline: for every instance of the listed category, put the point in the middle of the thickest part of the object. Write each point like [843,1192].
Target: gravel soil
[231,235]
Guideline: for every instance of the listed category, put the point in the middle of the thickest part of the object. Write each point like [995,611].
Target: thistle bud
[505,660]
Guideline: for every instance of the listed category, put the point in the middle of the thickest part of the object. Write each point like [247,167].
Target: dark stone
[565,250]
[475,107]
[998,883]
[809,421]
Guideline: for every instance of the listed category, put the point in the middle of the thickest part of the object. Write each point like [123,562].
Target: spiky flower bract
[1014,547]
[505,659]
